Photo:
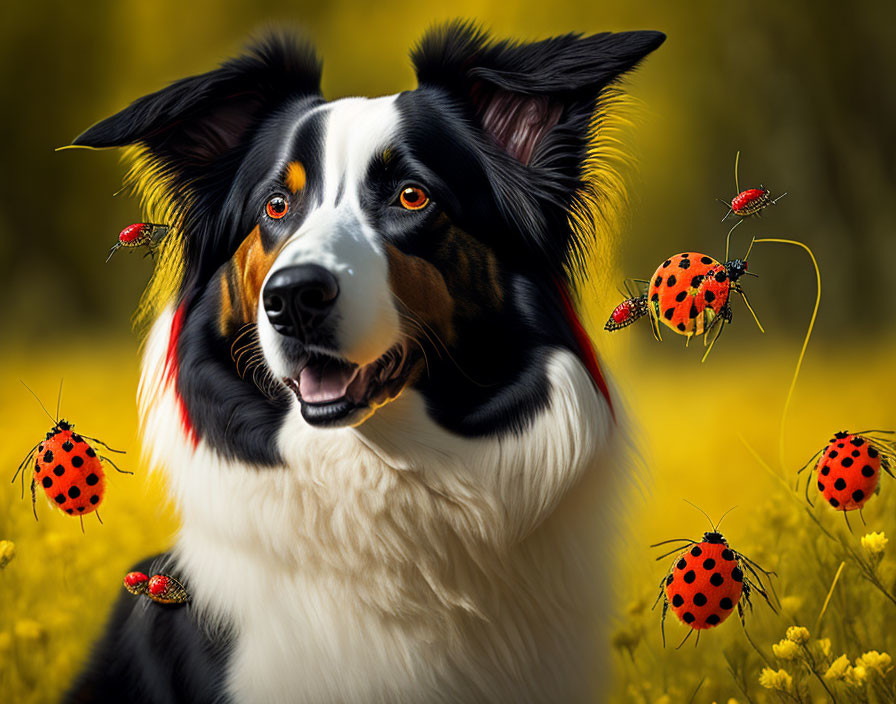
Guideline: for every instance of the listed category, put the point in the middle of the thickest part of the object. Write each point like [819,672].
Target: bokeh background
[805,93]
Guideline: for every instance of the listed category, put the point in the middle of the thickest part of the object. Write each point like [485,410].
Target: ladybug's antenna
[728,239]
[59,397]
[55,420]
[723,518]
[736,180]
[703,512]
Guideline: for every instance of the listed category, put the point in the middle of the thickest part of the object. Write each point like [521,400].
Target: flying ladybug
[707,581]
[689,293]
[67,468]
[847,469]
[749,202]
[140,234]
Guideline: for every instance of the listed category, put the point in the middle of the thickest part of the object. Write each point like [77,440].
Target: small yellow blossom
[7,552]
[857,675]
[873,660]
[838,669]
[874,544]
[825,645]
[779,680]
[798,634]
[28,630]
[785,650]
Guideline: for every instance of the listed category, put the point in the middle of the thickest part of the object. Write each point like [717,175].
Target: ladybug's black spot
[669,580]
[90,452]
[694,312]
[737,575]
[846,461]
[840,445]
[94,499]
[840,484]
[872,453]
[682,327]
[74,492]
[68,446]
[833,454]
[77,461]
[709,296]
[48,456]
[690,576]
[47,482]
[80,508]
[833,502]
[688,617]
[727,554]
[696,551]
[40,448]
[722,276]
[700,599]
[697,280]
[826,470]
[677,600]
[681,296]
[726,603]
[669,313]
[681,564]
[857,441]
[658,280]
[59,498]
[709,564]
[706,260]
[713,619]
[655,297]
[820,486]
[858,495]
[684,255]
[77,438]
[685,264]
[667,263]
[867,471]
[717,579]
[671,281]
[91,479]
[58,470]
[68,510]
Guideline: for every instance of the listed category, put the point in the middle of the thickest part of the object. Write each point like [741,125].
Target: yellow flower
[825,645]
[785,650]
[798,634]
[857,675]
[874,544]
[873,660]
[772,679]
[7,552]
[28,630]
[838,669]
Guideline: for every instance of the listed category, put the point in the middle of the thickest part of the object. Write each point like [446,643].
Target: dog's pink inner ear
[516,121]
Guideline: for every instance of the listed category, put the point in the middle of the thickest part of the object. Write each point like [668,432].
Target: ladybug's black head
[63,425]
[736,268]
[715,538]
[841,435]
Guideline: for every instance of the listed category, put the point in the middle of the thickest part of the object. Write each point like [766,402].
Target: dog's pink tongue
[322,383]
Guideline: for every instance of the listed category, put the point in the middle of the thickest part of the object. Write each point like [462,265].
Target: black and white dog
[380,419]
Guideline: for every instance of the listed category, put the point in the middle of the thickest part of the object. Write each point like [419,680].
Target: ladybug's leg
[25,461]
[123,471]
[100,442]
[33,500]
[685,639]
[654,325]
[749,307]
[775,201]
[862,516]
[112,251]
[82,522]
[717,324]
[97,514]
[846,518]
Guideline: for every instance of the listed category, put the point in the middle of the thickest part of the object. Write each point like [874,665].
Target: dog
[389,439]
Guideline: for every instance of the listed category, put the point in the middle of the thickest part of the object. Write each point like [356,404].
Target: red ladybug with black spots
[847,470]
[140,234]
[68,469]
[751,201]
[690,294]
[160,588]
[707,582]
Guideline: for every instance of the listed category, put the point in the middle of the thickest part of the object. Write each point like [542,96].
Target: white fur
[397,562]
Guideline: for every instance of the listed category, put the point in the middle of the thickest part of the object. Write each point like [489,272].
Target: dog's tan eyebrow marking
[295,176]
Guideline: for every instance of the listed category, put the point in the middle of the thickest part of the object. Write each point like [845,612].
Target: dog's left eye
[413,198]
[276,207]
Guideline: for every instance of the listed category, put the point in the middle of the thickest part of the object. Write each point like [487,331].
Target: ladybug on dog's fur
[68,468]
[160,588]
[140,234]
[707,581]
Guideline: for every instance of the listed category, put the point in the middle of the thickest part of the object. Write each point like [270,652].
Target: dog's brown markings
[421,291]
[471,272]
[241,282]
[295,176]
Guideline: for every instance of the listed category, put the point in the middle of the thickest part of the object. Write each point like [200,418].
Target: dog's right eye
[276,207]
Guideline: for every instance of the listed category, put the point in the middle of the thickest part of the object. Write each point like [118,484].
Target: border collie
[382,424]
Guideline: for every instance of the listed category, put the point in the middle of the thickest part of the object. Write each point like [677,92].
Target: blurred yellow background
[804,93]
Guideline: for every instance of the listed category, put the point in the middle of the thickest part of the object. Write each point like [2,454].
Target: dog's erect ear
[195,121]
[520,92]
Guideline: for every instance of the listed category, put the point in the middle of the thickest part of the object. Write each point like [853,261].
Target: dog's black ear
[196,121]
[521,92]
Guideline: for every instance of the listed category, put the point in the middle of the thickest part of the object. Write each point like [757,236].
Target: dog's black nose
[298,298]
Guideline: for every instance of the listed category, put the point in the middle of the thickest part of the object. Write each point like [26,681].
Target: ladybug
[848,469]
[68,468]
[707,581]
[140,234]
[161,588]
[690,294]
[749,202]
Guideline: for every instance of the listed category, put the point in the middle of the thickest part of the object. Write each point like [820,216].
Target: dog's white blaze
[337,236]
[398,562]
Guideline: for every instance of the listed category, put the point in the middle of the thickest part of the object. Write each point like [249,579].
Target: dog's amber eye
[413,198]
[276,207]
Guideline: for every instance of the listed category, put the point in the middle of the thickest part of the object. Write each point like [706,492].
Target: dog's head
[335,254]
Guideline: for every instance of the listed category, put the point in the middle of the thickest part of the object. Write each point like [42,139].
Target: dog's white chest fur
[396,562]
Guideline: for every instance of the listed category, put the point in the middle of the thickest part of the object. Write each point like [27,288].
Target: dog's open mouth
[330,389]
